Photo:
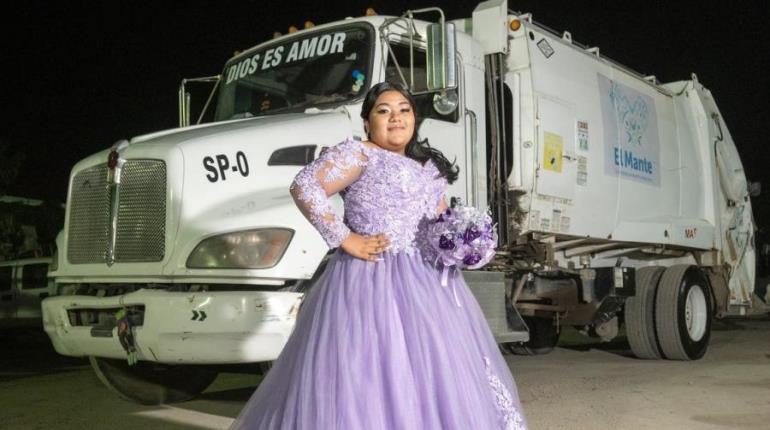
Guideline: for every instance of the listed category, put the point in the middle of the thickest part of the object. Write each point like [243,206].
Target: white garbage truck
[620,201]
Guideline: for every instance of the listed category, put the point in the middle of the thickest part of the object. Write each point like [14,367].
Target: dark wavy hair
[416,149]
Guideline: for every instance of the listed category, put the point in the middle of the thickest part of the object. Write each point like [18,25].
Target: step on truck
[620,201]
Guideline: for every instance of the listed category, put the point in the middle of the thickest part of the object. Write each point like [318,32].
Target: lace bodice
[383,192]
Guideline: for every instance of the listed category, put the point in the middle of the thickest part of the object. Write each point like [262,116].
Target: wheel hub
[696,313]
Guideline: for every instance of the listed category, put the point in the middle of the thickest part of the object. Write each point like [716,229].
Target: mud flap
[489,290]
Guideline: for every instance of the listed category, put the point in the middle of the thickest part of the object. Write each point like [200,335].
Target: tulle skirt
[385,346]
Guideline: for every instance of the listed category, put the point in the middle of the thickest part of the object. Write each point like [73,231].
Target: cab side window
[424,101]
[401,52]
[6,278]
[34,276]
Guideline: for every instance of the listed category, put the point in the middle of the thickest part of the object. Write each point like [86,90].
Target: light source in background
[249,249]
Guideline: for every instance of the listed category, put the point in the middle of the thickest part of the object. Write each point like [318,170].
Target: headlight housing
[249,249]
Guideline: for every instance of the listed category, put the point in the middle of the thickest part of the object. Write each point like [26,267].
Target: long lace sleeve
[330,173]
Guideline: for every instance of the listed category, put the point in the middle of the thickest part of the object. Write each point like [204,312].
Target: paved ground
[596,386]
[581,385]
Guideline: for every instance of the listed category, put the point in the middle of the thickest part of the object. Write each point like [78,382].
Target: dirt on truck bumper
[174,327]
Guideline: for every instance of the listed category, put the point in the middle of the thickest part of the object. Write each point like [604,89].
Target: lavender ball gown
[383,345]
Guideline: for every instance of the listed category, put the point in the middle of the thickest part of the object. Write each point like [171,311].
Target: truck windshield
[312,69]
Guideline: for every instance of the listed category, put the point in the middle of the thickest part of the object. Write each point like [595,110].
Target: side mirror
[184,99]
[441,57]
[184,105]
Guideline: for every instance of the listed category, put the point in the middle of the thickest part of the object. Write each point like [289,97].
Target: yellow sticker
[552,152]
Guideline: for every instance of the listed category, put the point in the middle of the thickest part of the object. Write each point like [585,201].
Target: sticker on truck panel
[582,135]
[220,165]
[534,220]
[556,220]
[559,222]
[582,171]
[552,152]
[545,48]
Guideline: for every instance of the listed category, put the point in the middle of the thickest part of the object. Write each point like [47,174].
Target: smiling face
[391,122]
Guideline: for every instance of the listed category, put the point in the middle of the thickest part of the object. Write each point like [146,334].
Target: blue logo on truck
[630,132]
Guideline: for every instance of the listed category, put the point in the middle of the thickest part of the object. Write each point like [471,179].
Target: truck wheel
[683,313]
[265,366]
[543,337]
[152,383]
[640,314]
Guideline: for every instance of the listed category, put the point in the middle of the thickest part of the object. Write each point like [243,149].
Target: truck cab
[192,234]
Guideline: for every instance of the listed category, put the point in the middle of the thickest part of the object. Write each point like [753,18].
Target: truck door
[7,293]
[444,132]
[557,167]
[33,287]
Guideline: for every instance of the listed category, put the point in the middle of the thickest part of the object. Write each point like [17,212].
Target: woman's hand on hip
[366,248]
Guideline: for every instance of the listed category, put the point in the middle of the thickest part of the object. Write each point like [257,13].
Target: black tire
[640,314]
[265,366]
[683,313]
[152,383]
[543,337]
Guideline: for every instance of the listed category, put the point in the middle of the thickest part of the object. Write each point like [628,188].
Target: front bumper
[190,328]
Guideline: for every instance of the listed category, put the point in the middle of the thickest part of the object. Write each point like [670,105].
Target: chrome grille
[89,216]
[141,231]
[141,218]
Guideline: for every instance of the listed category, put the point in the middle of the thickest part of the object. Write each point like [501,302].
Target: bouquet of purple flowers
[462,237]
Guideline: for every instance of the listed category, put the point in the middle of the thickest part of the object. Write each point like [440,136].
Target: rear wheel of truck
[640,314]
[683,313]
[152,383]
[543,337]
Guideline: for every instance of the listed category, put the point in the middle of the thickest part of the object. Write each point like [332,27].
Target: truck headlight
[250,249]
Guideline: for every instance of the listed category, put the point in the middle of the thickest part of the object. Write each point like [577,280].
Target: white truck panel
[259,200]
[198,208]
[491,26]
[239,327]
[588,186]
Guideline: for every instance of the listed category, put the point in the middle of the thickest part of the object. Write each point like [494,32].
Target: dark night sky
[78,76]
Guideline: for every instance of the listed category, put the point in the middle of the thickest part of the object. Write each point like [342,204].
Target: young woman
[379,343]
